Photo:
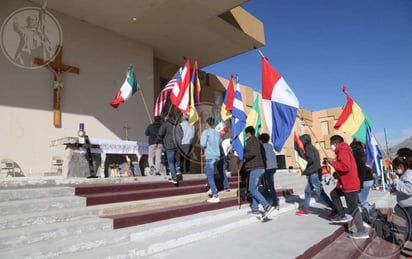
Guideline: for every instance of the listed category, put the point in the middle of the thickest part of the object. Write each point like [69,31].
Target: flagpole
[145,105]
[260,52]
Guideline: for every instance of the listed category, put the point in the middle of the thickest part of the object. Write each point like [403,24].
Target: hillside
[406,143]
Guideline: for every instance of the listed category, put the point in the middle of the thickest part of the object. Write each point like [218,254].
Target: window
[324,127]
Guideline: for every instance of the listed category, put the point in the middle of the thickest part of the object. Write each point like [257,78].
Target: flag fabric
[238,123]
[129,87]
[221,127]
[300,156]
[180,92]
[163,95]
[373,153]
[227,104]
[280,105]
[253,118]
[353,120]
[197,88]
[194,84]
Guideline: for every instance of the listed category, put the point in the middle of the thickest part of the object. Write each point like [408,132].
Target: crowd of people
[354,178]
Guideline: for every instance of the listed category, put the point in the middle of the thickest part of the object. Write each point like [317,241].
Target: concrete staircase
[107,219]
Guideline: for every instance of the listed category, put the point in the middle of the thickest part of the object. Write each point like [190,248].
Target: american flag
[162,98]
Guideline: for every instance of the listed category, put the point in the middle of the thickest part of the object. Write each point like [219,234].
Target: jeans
[156,155]
[257,197]
[270,185]
[210,174]
[171,161]
[352,201]
[315,184]
[184,158]
[363,195]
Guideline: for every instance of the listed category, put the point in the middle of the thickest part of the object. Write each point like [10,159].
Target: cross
[126,129]
[58,68]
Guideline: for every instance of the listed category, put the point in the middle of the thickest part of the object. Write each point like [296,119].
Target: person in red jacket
[348,185]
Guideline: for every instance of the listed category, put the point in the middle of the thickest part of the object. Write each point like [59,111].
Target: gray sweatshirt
[403,187]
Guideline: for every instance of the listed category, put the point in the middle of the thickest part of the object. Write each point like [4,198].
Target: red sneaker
[302,212]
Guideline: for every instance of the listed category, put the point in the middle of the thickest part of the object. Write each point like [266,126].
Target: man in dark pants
[348,186]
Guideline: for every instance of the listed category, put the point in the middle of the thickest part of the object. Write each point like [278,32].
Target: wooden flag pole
[145,105]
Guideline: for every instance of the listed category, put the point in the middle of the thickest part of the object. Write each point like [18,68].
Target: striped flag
[280,105]
[129,88]
[352,119]
[180,92]
[373,152]
[238,123]
[162,97]
[253,118]
[227,104]
[194,95]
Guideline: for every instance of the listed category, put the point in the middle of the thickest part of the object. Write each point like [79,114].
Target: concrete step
[21,237]
[149,239]
[40,205]
[11,194]
[121,196]
[46,217]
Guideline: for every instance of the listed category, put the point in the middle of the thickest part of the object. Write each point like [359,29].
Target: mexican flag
[129,88]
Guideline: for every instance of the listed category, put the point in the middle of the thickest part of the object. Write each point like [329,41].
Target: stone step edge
[35,193]
[41,204]
[176,241]
[99,240]
[175,226]
[13,238]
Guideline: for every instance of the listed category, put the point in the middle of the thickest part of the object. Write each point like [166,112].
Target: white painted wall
[26,96]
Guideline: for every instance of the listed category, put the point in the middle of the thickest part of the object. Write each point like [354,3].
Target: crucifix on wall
[58,68]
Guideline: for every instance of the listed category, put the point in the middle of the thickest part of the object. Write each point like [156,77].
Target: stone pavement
[284,236]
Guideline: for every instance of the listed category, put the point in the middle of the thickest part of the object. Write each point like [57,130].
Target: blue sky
[320,45]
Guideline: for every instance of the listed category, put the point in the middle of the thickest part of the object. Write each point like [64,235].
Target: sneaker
[359,235]
[254,213]
[366,225]
[214,199]
[277,207]
[341,219]
[302,212]
[267,211]
[332,214]
[209,193]
[170,180]
[227,190]
[152,170]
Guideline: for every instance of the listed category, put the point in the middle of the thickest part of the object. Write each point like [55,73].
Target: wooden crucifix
[58,68]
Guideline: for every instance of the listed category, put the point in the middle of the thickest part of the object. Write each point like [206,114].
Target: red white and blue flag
[280,105]
[163,95]
[238,123]
[373,152]
[180,92]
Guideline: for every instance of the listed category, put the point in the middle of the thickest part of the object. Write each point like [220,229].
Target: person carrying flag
[314,177]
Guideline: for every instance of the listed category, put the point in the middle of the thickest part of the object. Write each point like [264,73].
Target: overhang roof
[207,30]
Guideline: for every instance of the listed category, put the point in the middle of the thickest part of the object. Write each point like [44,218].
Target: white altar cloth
[106,146]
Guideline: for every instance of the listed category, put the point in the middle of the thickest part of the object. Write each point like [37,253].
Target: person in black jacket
[155,148]
[254,162]
[365,174]
[314,177]
[168,134]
